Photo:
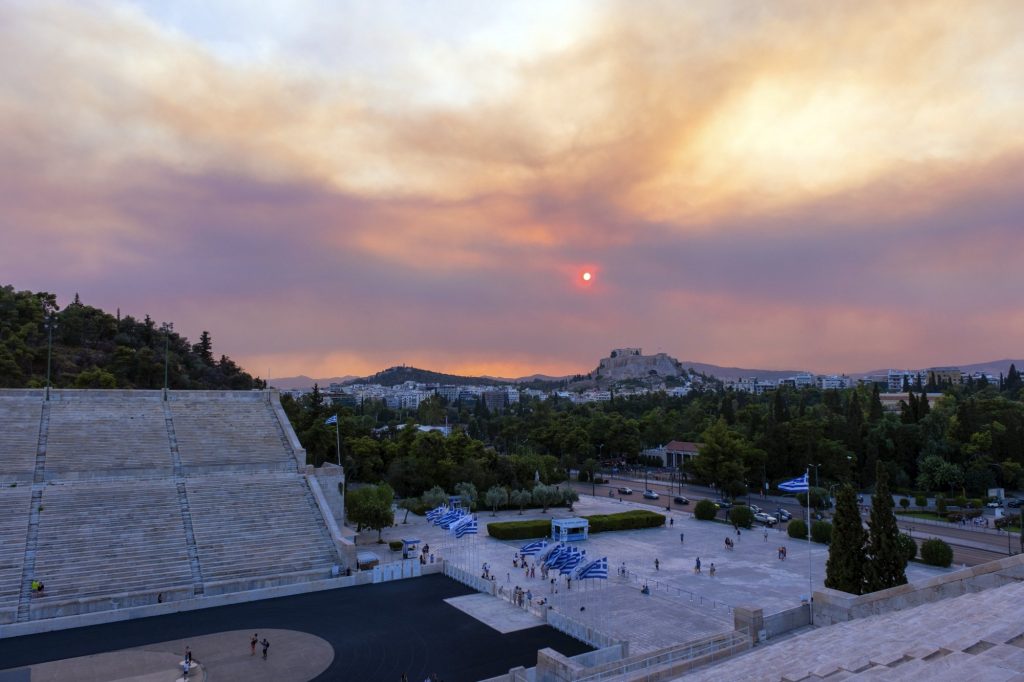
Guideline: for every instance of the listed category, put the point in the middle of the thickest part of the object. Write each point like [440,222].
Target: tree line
[94,349]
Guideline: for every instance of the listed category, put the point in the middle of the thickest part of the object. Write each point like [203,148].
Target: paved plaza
[682,605]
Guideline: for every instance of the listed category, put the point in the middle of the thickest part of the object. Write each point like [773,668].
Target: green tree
[435,497]
[467,493]
[846,555]
[546,495]
[570,497]
[371,506]
[521,498]
[741,515]
[886,563]
[496,496]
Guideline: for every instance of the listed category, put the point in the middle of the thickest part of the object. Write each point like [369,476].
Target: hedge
[599,523]
[936,552]
[629,520]
[519,530]
[821,531]
[797,529]
[921,501]
[396,545]
[705,510]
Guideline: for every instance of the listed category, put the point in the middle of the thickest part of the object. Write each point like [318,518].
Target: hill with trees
[94,349]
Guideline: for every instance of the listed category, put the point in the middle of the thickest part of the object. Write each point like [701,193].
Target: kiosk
[569,530]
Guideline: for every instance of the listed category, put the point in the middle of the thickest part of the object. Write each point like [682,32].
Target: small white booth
[569,530]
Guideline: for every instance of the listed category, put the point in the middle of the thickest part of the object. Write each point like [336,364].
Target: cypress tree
[846,556]
[886,564]
[876,406]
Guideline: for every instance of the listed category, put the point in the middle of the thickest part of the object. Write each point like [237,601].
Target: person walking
[253,642]
[266,645]
[657,564]
[696,567]
[712,569]
[766,533]
[188,655]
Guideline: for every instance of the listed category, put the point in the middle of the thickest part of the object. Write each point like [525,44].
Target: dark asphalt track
[378,632]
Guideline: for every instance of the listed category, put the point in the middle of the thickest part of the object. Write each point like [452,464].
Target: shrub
[817,498]
[920,501]
[1007,520]
[519,530]
[905,502]
[705,510]
[821,531]
[741,516]
[599,480]
[797,529]
[908,546]
[961,501]
[396,545]
[940,504]
[976,503]
[936,552]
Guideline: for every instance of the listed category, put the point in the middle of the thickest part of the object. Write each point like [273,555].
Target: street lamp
[50,323]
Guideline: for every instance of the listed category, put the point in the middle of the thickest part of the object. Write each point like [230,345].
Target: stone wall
[833,606]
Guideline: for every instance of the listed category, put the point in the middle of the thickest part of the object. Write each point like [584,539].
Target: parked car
[723,504]
[766,519]
[783,514]
[754,508]
[1013,503]
[625,491]
[651,495]
[995,504]
[679,499]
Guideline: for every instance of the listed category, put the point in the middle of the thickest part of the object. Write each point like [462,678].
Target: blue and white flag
[531,548]
[554,555]
[459,522]
[797,485]
[565,557]
[571,563]
[469,528]
[331,420]
[449,518]
[595,569]
[436,513]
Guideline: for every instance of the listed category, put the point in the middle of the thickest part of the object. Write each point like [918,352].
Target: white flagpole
[337,437]
[810,584]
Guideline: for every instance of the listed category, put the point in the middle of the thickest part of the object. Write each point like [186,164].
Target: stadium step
[190,539]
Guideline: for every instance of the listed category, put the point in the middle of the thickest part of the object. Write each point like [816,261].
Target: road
[970,547]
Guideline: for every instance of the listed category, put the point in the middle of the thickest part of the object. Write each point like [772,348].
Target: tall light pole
[50,323]
[166,328]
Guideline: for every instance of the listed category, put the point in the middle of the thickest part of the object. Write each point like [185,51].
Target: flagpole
[337,437]
[810,584]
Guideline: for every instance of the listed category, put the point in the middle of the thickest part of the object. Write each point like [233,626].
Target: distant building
[834,382]
[620,352]
[494,400]
[677,452]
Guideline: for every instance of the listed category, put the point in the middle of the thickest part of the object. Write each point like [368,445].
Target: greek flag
[469,528]
[436,513]
[331,420]
[458,523]
[531,548]
[554,555]
[448,519]
[571,563]
[797,485]
[595,569]
[565,557]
